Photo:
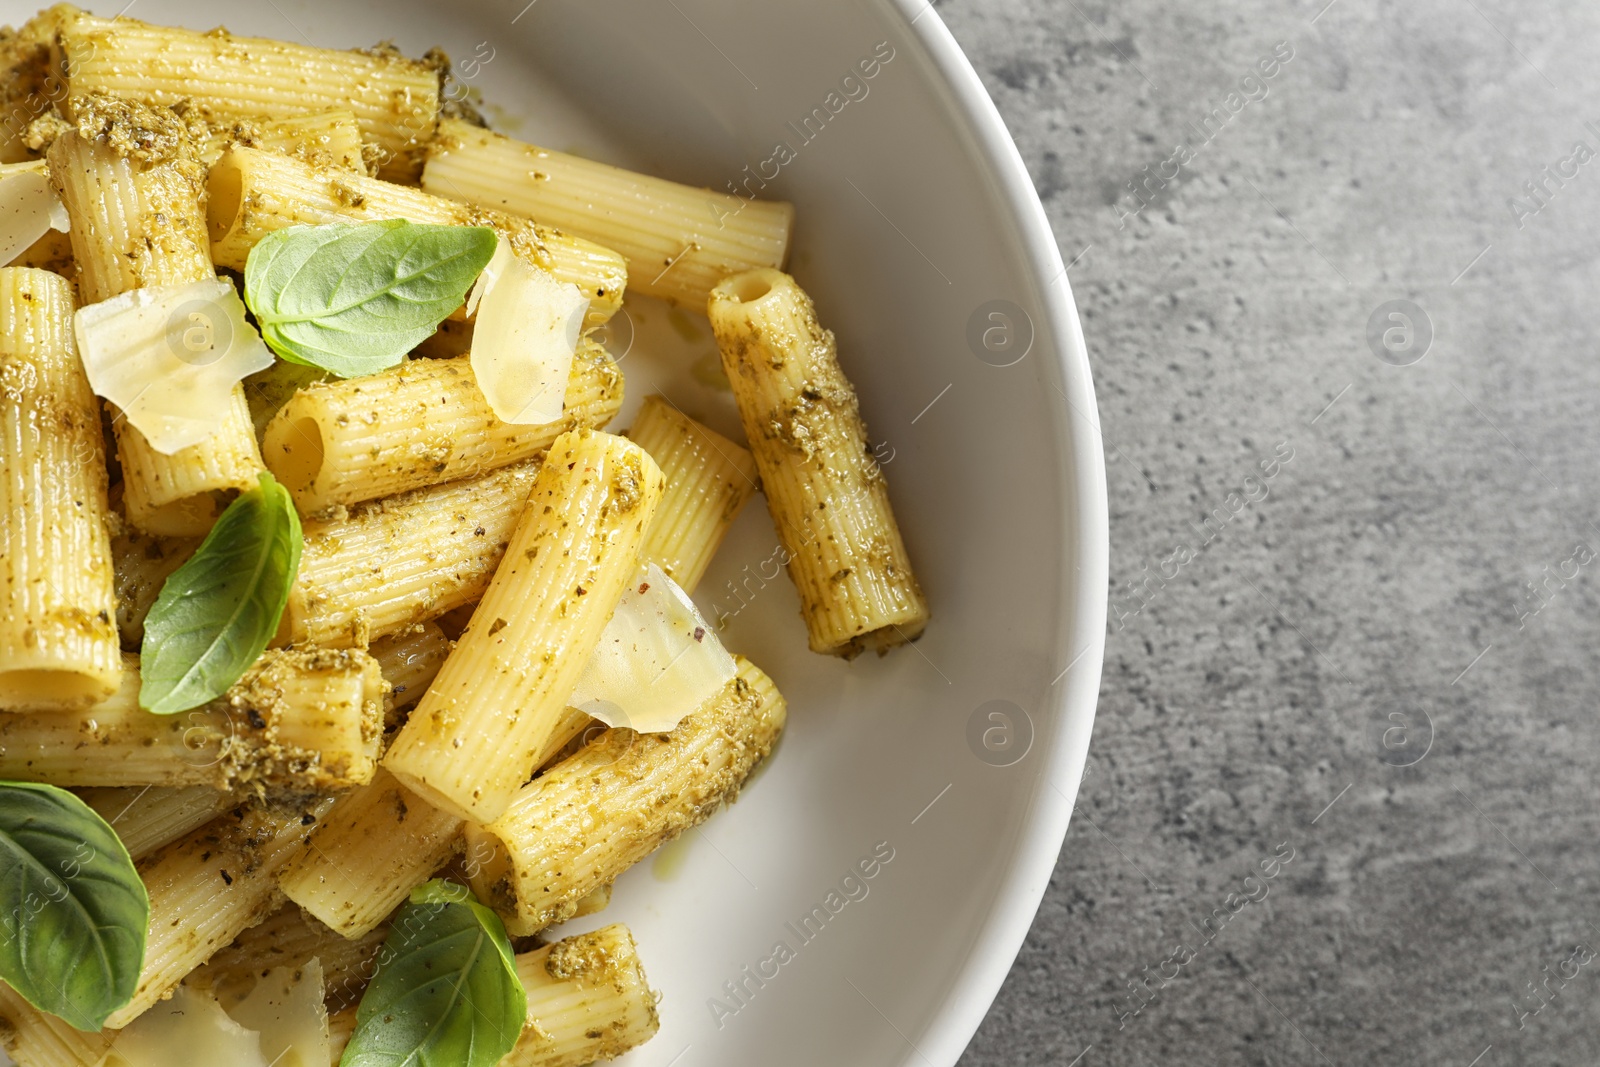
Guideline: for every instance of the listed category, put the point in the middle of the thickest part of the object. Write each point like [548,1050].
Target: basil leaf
[216,613]
[73,911]
[446,992]
[353,299]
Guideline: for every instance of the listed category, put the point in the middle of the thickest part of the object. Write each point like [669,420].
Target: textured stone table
[1355,611]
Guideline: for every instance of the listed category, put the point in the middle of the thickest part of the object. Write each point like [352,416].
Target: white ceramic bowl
[915,216]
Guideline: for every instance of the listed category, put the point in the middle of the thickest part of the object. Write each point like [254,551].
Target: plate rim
[1085,564]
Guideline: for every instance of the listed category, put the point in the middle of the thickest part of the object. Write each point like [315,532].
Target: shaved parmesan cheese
[29,209]
[286,1008]
[526,328]
[170,356]
[657,660]
[281,1023]
[191,1027]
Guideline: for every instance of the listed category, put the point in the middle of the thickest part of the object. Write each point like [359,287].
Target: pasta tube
[58,637]
[709,480]
[392,563]
[132,190]
[34,1038]
[395,100]
[679,241]
[827,494]
[141,564]
[408,661]
[270,389]
[376,845]
[419,424]
[291,938]
[328,139]
[147,818]
[471,741]
[182,494]
[325,139]
[308,720]
[254,193]
[592,816]
[210,887]
[588,1000]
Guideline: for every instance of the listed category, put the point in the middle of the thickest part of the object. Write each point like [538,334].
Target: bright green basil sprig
[446,993]
[353,299]
[73,912]
[217,612]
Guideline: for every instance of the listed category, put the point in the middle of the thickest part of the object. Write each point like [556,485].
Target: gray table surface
[1376,660]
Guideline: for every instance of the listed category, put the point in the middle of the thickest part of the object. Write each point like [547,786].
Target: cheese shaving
[169,357]
[286,1009]
[526,328]
[657,660]
[29,209]
[191,1027]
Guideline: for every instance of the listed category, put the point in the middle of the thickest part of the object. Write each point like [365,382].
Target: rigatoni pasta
[827,494]
[392,563]
[420,424]
[376,845]
[708,480]
[254,193]
[593,903]
[37,1039]
[586,820]
[679,241]
[323,139]
[588,1000]
[299,719]
[148,817]
[380,632]
[327,139]
[291,938]
[58,635]
[208,888]
[181,495]
[470,742]
[395,100]
[141,563]
[132,189]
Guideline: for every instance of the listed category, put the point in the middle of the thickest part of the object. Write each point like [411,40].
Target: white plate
[915,213]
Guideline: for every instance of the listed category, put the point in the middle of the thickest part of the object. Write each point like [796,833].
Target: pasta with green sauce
[337,619]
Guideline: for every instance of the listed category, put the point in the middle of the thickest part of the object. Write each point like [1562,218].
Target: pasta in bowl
[379,618]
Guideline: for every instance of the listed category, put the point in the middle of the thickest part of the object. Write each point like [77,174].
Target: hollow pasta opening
[750,286]
[226,199]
